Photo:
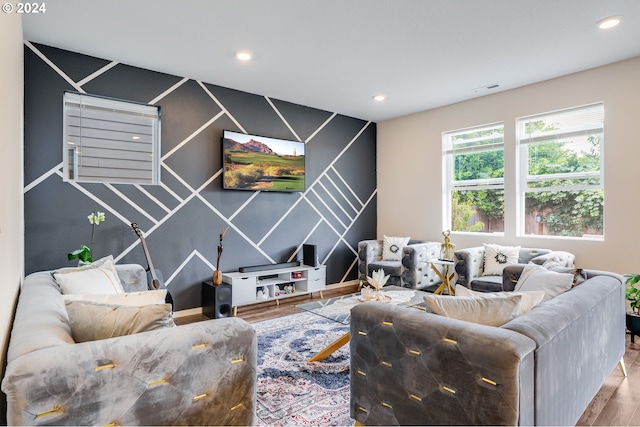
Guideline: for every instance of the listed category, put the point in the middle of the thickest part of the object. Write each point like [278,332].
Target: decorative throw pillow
[529,298]
[579,275]
[537,278]
[485,311]
[496,257]
[562,258]
[130,299]
[392,248]
[99,277]
[92,321]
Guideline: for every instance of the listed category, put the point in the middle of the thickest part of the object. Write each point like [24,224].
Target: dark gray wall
[183,217]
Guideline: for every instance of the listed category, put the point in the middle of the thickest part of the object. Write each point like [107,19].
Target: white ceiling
[336,54]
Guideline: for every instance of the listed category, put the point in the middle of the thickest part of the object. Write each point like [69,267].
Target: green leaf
[82,254]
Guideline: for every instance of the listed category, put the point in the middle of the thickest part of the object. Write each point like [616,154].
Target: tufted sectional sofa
[409,367]
[413,271]
[198,374]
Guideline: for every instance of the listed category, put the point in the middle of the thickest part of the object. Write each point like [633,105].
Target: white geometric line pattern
[323,196]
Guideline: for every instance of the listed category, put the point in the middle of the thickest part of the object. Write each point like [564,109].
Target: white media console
[274,284]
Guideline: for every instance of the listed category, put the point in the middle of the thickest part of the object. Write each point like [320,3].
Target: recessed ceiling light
[609,22]
[243,55]
[379,98]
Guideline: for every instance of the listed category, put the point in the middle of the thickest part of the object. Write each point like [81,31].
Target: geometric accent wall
[182,218]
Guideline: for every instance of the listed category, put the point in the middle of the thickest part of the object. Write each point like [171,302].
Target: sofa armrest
[470,262]
[368,251]
[510,276]
[198,374]
[416,268]
[409,367]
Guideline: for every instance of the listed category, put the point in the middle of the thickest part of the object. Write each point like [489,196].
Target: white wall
[410,163]
[11,166]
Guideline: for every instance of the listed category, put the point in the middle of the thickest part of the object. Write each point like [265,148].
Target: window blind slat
[109,140]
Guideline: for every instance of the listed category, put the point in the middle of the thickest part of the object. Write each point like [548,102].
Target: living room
[402,198]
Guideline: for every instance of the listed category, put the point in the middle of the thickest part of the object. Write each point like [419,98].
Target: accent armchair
[413,271]
[470,267]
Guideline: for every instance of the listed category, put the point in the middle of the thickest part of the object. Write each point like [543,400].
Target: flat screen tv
[258,163]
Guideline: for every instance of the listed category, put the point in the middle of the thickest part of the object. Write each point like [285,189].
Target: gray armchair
[471,262]
[413,271]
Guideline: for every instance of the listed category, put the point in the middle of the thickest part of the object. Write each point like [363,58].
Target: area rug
[292,391]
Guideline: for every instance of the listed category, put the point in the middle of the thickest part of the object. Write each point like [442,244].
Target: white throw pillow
[485,311]
[537,278]
[90,321]
[497,257]
[529,298]
[130,299]
[392,248]
[99,277]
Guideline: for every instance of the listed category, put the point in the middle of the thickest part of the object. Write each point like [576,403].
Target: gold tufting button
[450,390]
[49,412]
[488,381]
[103,367]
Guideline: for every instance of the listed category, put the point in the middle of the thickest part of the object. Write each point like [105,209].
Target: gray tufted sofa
[413,271]
[471,261]
[198,374]
[409,367]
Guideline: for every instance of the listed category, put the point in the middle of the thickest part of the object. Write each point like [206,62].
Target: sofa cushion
[529,298]
[486,311]
[99,277]
[496,257]
[130,299]
[92,321]
[392,248]
[537,278]
[392,268]
[487,284]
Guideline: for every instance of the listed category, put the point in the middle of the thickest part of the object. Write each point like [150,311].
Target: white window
[561,175]
[474,179]
[110,141]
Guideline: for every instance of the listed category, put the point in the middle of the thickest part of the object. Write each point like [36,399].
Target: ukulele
[155,280]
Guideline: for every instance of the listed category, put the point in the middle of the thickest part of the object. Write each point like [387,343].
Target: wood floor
[616,404]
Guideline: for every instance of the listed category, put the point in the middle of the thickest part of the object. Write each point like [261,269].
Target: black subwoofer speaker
[216,300]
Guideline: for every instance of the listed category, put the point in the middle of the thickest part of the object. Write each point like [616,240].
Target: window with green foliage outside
[474,165]
[561,178]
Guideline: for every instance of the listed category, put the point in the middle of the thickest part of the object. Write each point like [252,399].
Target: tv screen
[251,162]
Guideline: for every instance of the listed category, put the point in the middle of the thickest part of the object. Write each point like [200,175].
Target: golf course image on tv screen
[259,163]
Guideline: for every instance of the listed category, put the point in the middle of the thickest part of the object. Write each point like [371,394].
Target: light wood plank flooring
[616,404]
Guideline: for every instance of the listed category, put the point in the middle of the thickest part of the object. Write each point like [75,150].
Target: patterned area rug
[292,391]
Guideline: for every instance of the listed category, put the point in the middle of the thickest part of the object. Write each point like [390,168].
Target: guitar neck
[152,270]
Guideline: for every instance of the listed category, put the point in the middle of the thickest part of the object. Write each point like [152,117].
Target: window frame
[450,185]
[114,116]
[523,142]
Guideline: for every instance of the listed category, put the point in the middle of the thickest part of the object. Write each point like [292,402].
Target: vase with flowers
[83,255]
[378,280]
